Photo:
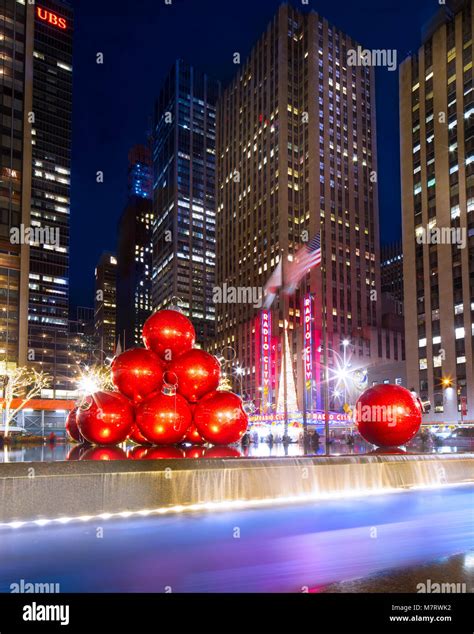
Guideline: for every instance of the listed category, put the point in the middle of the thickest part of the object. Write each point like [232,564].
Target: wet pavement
[403,537]
[444,576]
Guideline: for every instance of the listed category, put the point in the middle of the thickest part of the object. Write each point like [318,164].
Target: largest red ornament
[220,418]
[169,333]
[105,418]
[197,373]
[164,419]
[137,373]
[387,415]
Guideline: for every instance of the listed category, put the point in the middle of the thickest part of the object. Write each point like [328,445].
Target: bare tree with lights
[24,384]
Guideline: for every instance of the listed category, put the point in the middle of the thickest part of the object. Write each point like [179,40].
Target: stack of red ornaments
[167,394]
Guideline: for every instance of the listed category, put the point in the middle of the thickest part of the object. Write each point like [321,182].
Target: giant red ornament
[192,435]
[168,333]
[136,436]
[163,453]
[387,415]
[77,451]
[220,418]
[194,452]
[105,418]
[164,419]
[71,426]
[137,373]
[138,452]
[197,373]
[104,454]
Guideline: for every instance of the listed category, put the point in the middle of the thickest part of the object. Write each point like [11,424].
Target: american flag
[271,287]
[305,259]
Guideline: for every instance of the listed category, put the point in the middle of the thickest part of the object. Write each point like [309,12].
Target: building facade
[391,256]
[296,155]
[105,307]
[134,251]
[437,149]
[36,99]
[184,235]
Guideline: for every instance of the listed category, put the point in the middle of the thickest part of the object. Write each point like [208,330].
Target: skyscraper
[437,149]
[392,270]
[105,308]
[36,82]
[134,251]
[296,155]
[140,172]
[184,196]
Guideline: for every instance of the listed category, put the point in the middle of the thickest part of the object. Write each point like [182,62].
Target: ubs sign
[51,18]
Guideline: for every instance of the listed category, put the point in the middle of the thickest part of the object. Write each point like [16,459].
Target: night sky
[140,39]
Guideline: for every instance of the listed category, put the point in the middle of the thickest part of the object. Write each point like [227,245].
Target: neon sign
[308,345]
[51,18]
[265,355]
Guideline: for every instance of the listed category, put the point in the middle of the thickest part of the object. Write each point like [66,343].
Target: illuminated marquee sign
[51,18]
[308,346]
[265,356]
[318,417]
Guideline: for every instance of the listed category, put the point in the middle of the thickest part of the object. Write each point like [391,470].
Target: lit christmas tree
[291,400]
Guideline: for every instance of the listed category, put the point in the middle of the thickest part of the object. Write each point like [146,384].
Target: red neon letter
[51,18]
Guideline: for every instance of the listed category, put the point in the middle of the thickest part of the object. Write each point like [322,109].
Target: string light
[228,505]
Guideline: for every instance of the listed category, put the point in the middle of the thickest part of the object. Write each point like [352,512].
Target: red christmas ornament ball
[138,452]
[136,436]
[168,333]
[194,452]
[387,415]
[220,418]
[192,435]
[164,419]
[77,452]
[105,418]
[104,454]
[137,373]
[71,426]
[163,453]
[197,373]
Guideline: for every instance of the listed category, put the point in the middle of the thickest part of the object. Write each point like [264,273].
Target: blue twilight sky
[140,39]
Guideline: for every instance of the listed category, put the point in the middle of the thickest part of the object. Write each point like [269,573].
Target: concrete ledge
[31,491]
